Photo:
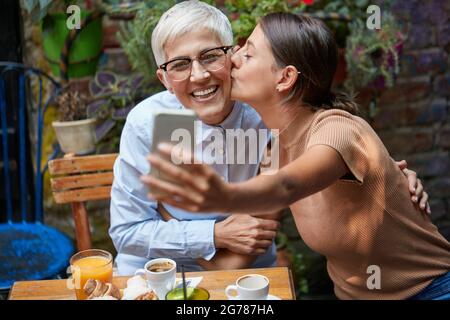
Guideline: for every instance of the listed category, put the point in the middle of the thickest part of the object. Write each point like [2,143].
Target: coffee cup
[249,287]
[160,274]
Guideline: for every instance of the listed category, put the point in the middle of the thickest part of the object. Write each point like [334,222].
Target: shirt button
[223,178]
[221,151]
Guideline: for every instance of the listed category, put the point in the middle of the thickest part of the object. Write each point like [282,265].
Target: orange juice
[90,267]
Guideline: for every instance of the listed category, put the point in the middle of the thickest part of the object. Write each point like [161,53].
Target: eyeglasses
[211,60]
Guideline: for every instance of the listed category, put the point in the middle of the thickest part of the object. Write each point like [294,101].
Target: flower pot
[76,136]
[84,51]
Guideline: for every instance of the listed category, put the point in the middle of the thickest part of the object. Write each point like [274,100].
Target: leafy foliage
[135,36]
[38,9]
[373,56]
[244,14]
[113,98]
[356,9]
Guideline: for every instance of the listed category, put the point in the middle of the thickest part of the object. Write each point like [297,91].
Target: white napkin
[190,282]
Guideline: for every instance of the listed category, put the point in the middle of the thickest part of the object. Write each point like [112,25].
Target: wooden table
[215,282]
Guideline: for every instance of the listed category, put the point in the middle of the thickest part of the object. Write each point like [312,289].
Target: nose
[236,58]
[198,72]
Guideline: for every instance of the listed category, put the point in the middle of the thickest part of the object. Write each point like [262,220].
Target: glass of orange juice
[90,264]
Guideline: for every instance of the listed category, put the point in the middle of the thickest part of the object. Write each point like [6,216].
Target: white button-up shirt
[138,231]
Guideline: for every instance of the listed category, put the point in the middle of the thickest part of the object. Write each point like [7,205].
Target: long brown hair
[307,44]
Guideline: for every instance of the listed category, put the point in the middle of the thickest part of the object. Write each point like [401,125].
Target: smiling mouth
[205,93]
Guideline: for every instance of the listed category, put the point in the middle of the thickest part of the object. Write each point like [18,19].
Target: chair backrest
[18,176]
[77,179]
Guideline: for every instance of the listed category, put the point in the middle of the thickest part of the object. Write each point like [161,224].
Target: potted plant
[84,52]
[113,97]
[74,131]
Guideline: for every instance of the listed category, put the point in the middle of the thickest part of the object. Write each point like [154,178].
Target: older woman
[348,198]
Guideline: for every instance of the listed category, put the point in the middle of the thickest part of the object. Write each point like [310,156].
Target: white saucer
[269,297]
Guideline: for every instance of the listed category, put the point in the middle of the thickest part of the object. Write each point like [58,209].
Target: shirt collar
[234,119]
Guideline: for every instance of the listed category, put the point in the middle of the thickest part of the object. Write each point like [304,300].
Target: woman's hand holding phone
[198,188]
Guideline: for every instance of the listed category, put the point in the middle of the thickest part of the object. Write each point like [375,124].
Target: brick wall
[414,116]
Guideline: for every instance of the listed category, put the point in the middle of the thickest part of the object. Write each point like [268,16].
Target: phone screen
[175,127]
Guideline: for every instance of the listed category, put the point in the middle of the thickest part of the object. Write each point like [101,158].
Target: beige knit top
[366,222]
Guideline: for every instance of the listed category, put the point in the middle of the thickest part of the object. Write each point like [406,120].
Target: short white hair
[185,17]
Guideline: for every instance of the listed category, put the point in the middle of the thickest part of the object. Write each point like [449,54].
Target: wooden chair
[77,179]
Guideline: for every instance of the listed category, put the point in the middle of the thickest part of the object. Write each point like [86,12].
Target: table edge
[289,272]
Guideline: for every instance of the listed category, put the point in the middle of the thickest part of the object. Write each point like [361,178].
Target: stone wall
[414,116]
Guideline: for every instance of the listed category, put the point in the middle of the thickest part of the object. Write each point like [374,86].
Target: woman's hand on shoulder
[418,194]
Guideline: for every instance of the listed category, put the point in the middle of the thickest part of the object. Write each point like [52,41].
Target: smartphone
[172,126]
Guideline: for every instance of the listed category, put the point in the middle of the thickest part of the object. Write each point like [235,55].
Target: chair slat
[82,164]
[82,181]
[81,195]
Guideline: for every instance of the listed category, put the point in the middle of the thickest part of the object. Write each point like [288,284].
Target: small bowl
[197,293]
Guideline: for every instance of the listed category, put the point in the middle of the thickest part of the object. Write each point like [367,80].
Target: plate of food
[137,289]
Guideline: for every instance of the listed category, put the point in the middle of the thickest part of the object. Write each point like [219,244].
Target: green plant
[38,9]
[299,267]
[121,9]
[244,14]
[297,262]
[372,56]
[134,36]
[343,11]
[113,97]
